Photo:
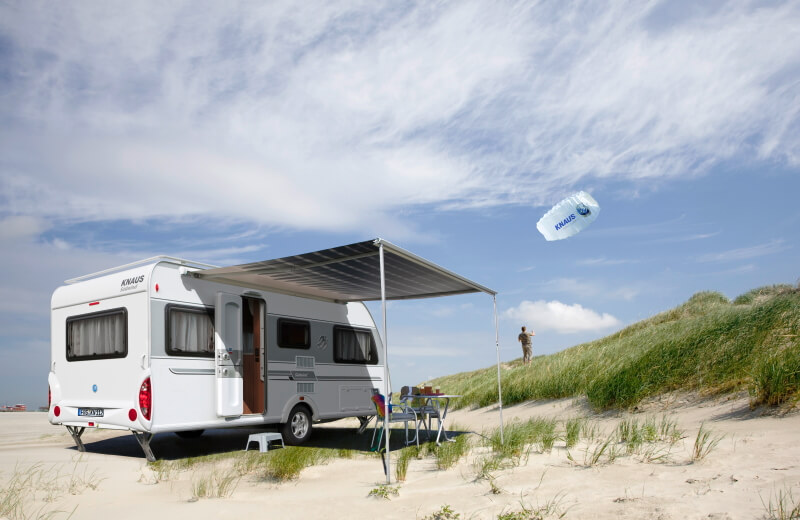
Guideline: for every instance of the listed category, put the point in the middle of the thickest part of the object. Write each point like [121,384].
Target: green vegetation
[572,431]
[704,443]
[445,513]
[216,484]
[403,457]
[520,437]
[708,344]
[218,474]
[449,453]
[551,509]
[650,440]
[384,491]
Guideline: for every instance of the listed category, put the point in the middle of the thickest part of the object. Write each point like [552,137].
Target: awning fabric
[348,273]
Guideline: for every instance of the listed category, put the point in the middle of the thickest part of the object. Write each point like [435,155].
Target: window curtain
[191,332]
[98,336]
[354,345]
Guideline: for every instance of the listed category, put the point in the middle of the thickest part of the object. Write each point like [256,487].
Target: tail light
[146,399]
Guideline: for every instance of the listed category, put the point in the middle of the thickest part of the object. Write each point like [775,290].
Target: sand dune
[756,462]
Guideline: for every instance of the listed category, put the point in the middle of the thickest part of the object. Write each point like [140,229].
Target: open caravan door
[228,346]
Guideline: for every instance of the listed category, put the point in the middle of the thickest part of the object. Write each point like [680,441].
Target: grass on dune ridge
[708,344]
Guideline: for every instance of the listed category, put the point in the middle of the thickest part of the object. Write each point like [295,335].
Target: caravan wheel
[298,429]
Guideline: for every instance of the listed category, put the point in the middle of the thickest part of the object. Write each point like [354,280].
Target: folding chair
[428,412]
[405,415]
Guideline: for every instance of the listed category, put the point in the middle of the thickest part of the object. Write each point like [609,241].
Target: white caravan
[151,348]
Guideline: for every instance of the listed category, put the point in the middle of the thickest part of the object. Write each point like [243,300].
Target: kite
[569,217]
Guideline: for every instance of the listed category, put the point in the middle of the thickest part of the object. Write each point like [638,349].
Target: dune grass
[33,491]
[782,505]
[217,474]
[708,344]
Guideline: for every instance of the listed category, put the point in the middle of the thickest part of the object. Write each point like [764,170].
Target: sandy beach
[755,463]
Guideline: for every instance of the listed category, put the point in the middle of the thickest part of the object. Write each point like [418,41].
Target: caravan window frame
[196,309]
[291,321]
[79,317]
[373,347]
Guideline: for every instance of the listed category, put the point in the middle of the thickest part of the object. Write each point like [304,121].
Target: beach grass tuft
[444,513]
[704,443]
[449,453]
[31,491]
[217,483]
[385,492]
[551,509]
[782,505]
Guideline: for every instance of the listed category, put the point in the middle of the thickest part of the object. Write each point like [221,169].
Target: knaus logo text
[131,283]
[565,221]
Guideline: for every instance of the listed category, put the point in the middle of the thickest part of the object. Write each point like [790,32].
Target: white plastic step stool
[263,439]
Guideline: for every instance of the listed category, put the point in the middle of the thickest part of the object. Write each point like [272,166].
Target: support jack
[76,432]
[144,441]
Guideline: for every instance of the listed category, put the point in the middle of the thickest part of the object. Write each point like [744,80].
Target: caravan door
[228,346]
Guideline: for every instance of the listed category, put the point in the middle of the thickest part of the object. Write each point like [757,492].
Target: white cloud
[21,226]
[745,253]
[603,261]
[331,117]
[560,317]
[592,288]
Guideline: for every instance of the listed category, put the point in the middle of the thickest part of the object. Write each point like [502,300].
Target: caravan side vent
[305,388]
[304,361]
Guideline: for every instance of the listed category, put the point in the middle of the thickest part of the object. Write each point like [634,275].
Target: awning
[348,273]
[365,271]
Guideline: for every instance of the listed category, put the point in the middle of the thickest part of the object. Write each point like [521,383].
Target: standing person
[525,338]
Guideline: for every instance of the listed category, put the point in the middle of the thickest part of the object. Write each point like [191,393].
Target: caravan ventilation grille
[304,361]
[305,388]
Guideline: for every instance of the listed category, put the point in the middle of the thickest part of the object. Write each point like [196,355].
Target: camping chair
[405,415]
[429,412]
[425,409]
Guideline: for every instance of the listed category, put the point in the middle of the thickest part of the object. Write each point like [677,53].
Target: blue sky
[235,132]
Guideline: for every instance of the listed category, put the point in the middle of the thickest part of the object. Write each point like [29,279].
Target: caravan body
[154,349]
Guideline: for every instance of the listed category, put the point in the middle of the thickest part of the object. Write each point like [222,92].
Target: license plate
[90,412]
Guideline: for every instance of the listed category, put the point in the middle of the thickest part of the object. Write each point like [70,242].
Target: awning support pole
[499,386]
[387,383]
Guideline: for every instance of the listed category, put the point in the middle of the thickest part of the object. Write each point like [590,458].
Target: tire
[189,434]
[297,429]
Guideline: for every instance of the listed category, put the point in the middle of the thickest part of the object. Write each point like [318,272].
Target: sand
[756,463]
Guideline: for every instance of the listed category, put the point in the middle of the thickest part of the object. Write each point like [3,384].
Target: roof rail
[159,258]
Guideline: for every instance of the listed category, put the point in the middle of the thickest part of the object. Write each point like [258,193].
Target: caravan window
[190,331]
[100,335]
[354,346]
[294,334]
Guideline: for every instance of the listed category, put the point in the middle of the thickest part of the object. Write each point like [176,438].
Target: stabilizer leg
[144,441]
[364,422]
[76,432]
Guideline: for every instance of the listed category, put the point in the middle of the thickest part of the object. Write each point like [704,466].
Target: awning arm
[387,383]
[499,386]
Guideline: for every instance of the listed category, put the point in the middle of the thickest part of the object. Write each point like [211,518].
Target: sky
[231,132]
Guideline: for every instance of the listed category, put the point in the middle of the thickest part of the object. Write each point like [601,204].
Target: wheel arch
[303,400]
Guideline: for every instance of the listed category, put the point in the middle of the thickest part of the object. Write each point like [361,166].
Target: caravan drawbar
[151,348]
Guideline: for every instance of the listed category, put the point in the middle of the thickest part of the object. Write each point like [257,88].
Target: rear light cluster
[145,399]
